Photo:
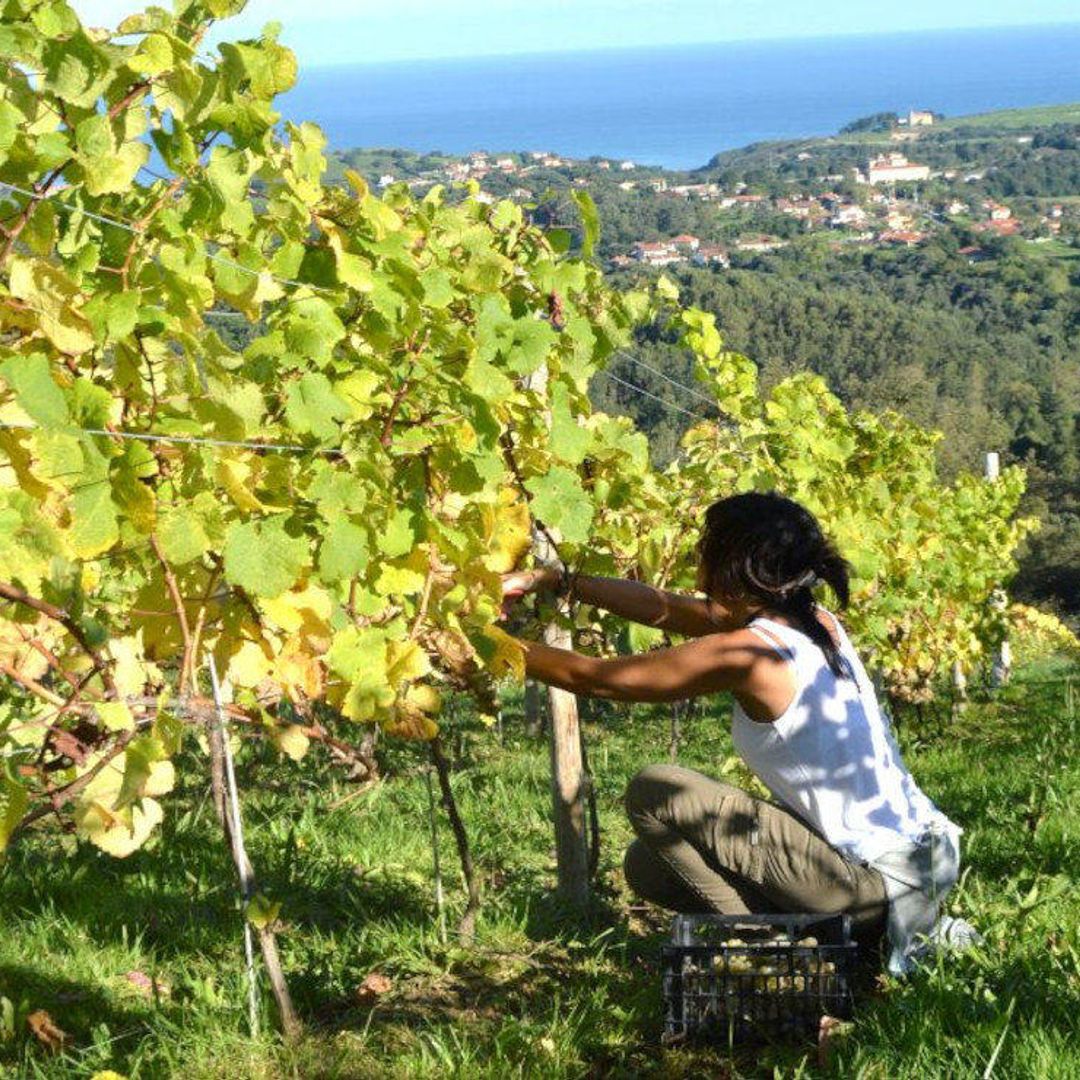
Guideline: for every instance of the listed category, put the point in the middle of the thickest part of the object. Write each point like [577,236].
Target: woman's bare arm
[679,613]
[640,603]
[711,663]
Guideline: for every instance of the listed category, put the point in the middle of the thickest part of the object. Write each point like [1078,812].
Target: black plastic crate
[756,978]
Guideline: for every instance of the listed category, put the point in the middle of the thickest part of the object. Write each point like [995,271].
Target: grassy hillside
[1033,117]
[140,960]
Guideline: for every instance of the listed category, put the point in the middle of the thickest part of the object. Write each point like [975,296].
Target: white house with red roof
[890,169]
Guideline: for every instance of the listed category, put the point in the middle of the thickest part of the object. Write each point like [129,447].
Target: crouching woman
[847,828]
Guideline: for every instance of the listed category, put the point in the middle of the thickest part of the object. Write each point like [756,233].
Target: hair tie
[807,580]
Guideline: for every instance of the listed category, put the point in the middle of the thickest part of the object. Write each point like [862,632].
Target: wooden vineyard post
[678,711]
[1001,667]
[534,720]
[436,864]
[568,777]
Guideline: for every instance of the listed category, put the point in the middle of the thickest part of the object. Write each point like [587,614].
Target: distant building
[626,166]
[890,169]
[905,237]
[759,243]
[920,118]
[996,211]
[957,207]
[685,240]
[798,208]
[627,185]
[710,254]
[386,180]
[657,253]
[689,191]
[603,164]
[741,200]
[851,216]
[1000,227]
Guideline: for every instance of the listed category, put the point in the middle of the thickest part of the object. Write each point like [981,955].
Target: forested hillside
[987,354]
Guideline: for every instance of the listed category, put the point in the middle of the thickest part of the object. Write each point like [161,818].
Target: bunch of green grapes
[766,970]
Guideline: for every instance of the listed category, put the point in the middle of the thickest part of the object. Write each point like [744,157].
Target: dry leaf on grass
[375,984]
[45,1030]
[146,985]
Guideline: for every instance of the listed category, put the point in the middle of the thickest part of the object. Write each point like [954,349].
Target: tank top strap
[803,652]
[773,640]
[791,639]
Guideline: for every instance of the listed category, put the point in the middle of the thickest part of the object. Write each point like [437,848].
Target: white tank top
[831,757]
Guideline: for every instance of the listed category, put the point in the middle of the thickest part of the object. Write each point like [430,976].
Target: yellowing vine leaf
[52,294]
[117,833]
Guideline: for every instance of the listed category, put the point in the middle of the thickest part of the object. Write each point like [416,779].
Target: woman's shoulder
[791,633]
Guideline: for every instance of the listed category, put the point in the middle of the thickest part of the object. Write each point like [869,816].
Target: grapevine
[327,510]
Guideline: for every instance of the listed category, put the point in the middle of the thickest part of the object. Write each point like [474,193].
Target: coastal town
[885,195]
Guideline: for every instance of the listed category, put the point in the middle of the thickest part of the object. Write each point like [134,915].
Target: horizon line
[773,39]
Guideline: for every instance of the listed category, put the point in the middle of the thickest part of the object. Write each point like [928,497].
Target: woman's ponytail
[802,610]
[834,570]
[797,601]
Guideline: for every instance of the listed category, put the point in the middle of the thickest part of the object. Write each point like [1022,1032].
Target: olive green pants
[705,846]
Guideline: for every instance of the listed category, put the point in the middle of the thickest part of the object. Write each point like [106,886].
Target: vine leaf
[262,558]
[561,503]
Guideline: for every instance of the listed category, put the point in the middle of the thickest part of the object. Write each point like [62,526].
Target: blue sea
[677,106]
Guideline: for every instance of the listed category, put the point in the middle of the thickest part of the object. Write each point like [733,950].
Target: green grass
[1031,117]
[1050,249]
[540,994]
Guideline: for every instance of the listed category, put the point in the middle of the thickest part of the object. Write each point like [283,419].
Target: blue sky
[350,31]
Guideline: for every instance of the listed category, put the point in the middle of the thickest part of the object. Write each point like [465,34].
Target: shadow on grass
[516,996]
[77,1008]
[176,917]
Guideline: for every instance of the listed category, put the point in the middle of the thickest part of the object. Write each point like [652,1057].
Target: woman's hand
[522,582]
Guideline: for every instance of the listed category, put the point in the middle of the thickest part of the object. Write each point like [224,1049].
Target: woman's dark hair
[763,546]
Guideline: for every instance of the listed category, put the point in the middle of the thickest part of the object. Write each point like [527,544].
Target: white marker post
[1001,667]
